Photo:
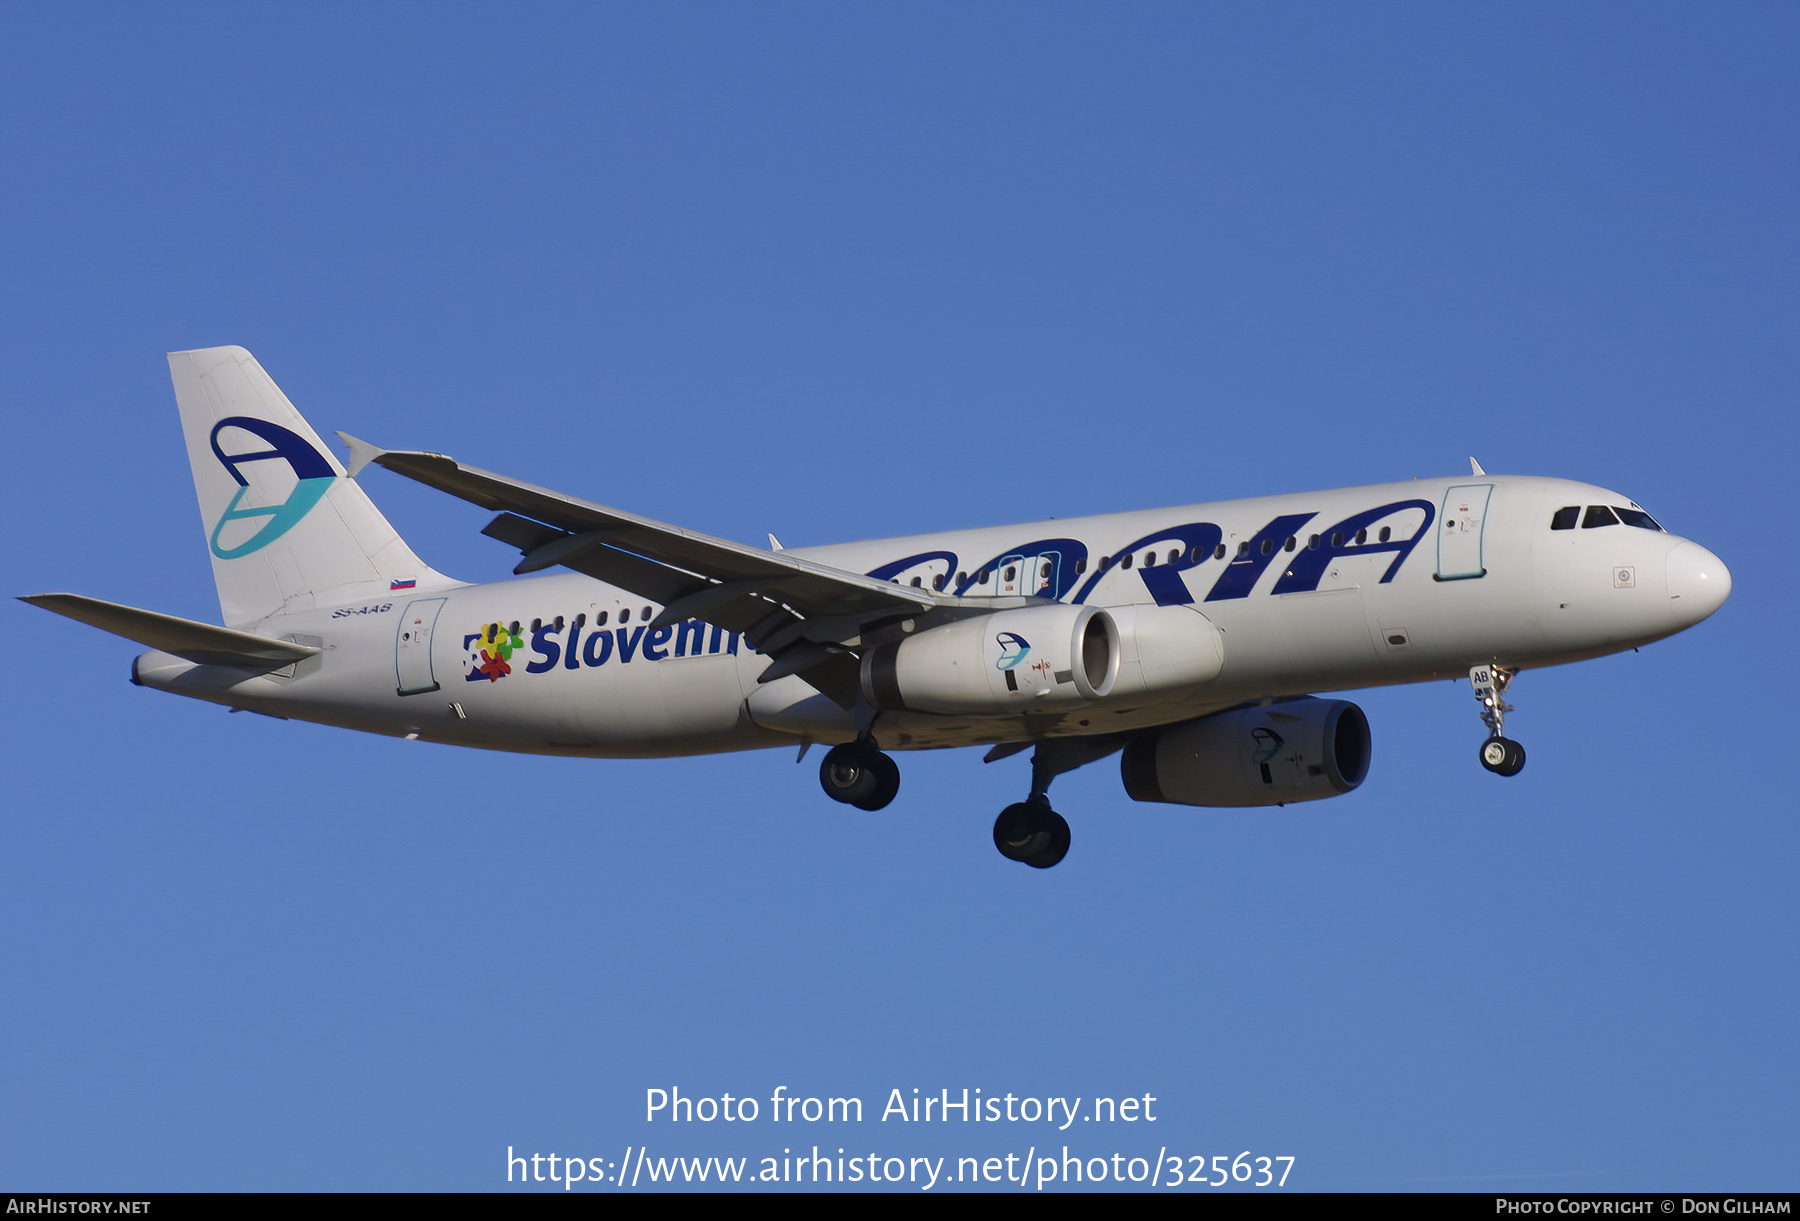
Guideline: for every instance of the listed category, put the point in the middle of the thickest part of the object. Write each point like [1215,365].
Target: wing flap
[646,578]
[201,643]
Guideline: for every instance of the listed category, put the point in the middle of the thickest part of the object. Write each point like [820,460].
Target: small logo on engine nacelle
[1014,648]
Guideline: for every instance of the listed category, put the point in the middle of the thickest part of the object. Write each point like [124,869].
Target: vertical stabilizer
[288,530]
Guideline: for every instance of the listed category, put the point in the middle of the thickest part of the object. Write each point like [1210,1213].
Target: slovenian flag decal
[406,584]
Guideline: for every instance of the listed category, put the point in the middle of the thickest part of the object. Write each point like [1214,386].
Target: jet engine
[1295,750]
[1005,661]
[1165,649]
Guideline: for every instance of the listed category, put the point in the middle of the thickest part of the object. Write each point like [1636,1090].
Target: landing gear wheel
[1033,833]
[1503,756]
[1499,754]
[859,774]
[887,784]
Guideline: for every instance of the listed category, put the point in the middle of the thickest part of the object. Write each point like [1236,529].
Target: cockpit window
[1638,518]
[1598,515]
[1565,517]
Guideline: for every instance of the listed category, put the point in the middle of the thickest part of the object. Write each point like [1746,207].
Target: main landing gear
[1029,831]
[859,774]
[1499,754]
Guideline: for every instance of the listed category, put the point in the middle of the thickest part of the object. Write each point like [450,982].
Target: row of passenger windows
[1601,515]
[1564,519]
[599,621]
[1197,555]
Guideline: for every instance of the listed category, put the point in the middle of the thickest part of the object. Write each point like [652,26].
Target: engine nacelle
[1165,649]
[1004,662]
[1297,750]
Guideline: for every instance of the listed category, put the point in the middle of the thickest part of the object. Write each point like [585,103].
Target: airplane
[1186,640]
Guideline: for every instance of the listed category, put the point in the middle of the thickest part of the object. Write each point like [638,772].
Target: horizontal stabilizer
[201,643]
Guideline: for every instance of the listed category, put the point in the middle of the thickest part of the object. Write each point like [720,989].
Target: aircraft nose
[1699,583]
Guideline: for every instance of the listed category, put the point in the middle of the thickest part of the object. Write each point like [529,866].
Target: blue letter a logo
[310,467]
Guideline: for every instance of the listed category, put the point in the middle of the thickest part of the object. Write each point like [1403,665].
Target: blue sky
[845,271]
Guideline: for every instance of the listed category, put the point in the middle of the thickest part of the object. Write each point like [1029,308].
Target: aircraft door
[1010,578]
[412,647]
[1460,529]
[1028,575]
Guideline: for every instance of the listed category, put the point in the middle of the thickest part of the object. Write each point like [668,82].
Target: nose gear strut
[1499,754]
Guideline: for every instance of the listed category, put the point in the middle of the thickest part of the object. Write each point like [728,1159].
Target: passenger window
[962,578]
[1337,540]
[1598,515]
[1362,536]
[1219,552]
[1638,518]
[917,581]
[1045,573]
[1312,544]
[1565,517]
[1386,534]
[1199,554]
[600,620]
[1081,565]
[1011,572]
[1268,546]
[1149,559]
[937,582]
[1244,548]
[983,576]
[625,615]
[1125,561]
[1289,545]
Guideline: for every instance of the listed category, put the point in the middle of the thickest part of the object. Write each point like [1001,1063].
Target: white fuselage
[1450,573]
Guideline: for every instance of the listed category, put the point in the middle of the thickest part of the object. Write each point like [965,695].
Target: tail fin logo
[310,468]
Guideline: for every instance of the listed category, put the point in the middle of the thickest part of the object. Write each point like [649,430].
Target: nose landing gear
[859,774]
[1499,754]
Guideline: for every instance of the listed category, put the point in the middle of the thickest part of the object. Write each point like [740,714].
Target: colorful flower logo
[495,645]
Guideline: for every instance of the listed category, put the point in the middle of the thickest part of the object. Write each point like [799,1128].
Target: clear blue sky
[843,271]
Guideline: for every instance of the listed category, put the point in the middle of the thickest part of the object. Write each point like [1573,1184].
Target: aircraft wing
[790,608]
[200,643]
